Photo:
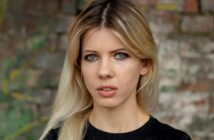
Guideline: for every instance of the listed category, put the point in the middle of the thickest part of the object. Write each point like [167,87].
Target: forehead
[101,37]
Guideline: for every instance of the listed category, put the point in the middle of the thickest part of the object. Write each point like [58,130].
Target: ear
[146,66]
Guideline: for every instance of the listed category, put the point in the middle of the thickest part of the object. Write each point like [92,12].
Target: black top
[151,130]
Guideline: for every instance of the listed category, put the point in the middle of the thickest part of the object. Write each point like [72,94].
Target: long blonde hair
[73,102]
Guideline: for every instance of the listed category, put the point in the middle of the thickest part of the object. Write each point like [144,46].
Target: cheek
[131,80]
[130,76]
[88,74]
[86,70]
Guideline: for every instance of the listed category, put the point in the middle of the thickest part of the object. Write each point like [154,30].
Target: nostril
[105,73]
[105,70]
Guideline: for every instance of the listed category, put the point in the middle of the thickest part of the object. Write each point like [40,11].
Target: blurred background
[32,46]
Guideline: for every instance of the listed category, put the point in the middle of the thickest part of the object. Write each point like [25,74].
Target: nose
[105,69]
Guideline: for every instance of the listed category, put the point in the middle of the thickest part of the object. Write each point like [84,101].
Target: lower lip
[106,94]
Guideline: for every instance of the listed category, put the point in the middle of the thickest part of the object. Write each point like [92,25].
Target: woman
[109,81]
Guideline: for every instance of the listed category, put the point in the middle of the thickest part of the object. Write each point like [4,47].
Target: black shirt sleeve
[185,137]
[53,134]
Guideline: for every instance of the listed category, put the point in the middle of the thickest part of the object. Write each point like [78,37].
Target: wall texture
[33,43]
[184,34]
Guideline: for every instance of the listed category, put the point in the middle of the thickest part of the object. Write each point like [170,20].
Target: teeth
[107,89]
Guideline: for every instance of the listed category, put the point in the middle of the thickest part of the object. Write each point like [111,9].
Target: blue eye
[91,57]
[121,56]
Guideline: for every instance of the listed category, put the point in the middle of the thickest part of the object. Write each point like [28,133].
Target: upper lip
[106,86]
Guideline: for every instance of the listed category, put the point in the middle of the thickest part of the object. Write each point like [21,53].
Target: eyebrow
[92,51]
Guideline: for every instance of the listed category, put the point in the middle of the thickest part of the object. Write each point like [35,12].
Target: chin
[108,104]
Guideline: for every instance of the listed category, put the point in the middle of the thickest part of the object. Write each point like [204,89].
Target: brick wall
[32,48]
[184,32]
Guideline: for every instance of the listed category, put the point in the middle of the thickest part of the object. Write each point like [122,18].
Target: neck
[118,120]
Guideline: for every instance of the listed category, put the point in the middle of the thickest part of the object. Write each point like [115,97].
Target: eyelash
[124,55]
[87,57]
[121,55]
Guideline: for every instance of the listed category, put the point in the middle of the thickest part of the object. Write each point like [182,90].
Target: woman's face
[109,70]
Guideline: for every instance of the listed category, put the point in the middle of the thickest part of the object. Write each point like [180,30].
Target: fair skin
[111,74]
